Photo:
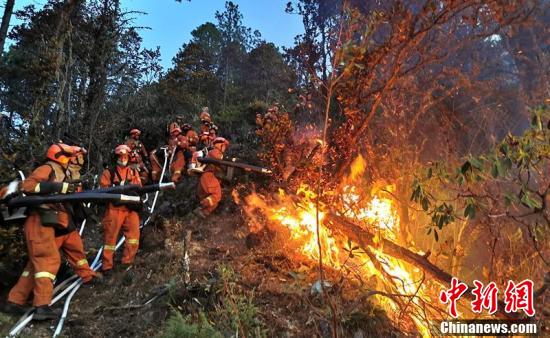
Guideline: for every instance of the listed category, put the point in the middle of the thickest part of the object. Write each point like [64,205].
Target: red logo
[516,297]
[519,297]
[453,295]
[485,297]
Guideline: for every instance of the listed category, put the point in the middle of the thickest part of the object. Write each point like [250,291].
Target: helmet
[221,140]
[78,157]
[135,131]
[205,116]
[174,128]
[192,137]
[79,150]
[186,127]
[60,153]
[122,150]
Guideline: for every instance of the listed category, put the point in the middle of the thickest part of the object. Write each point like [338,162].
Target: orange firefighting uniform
[44,258]
[138,155]
[209,190]
[70,242]
[179,144]
[119,216]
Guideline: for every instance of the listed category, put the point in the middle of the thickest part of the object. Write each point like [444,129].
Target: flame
[300,214]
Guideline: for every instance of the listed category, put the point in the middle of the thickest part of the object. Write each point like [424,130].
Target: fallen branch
[365,239]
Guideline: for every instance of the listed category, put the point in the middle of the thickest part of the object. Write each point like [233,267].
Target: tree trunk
[56,45]
[8,10]
[104,45]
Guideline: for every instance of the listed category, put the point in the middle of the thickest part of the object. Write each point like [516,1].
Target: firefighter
[118,215]
[206,120]
[67,240]
[204,136]
[157,155]
[178,161]
[192,139]
[212,135]
[135,143]
[40,229]
[138,155]
[209,191]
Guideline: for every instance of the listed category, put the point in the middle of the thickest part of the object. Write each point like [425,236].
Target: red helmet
[205,116]
[79,150]
[174,128]
[78,157]
[122,150]
[135,131]
[60,153]
[221,140]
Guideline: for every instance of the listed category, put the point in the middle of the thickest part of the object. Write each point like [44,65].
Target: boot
[45,312]
[107,274]
[95,280]
[198,212]
[128,278]
[123,267]
[14,309]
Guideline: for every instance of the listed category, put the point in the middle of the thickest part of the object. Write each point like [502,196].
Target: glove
[69,188]
[54,187]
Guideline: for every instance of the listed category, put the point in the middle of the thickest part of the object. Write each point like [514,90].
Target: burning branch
[366,239]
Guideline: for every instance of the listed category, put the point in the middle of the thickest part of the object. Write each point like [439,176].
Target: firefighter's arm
[144,153]
[105,180]
[177,166]
[38,183]
[136,179]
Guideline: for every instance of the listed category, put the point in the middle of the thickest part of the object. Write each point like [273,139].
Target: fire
[300,218]
[375,210]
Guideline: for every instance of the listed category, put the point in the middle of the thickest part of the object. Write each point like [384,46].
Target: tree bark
[8,10]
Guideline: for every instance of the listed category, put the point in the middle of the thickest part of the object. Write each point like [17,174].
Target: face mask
[122,163]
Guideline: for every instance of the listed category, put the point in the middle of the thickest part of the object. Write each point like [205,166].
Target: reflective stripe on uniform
[65,188]
[81,262]
[37,188]
[25,274]
[177,172]
[133,241]
[130,198]
[210,201]
[44,274]
[109,247]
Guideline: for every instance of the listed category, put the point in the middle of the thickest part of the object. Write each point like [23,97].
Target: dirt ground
[280,285]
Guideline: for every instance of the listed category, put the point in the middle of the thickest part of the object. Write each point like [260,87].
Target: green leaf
[530,201]
[476,163]
[467,166]
[440,222]
[429,174]
[507,164]
[494,170]
[425,204]
[470,211]
[536,121]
